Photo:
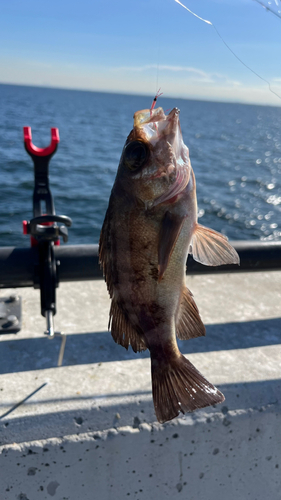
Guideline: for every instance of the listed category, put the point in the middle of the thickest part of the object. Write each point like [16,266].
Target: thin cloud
[194,73]
[166,67]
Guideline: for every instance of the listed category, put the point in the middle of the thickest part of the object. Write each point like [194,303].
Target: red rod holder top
[55,139]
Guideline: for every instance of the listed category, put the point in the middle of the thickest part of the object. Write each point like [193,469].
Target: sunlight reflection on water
[235,152]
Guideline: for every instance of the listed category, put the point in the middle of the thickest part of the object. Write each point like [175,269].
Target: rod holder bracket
[10,314]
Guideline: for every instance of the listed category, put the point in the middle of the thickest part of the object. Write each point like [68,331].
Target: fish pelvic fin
[122,331]
[212,248]
[178,387]
[189,324]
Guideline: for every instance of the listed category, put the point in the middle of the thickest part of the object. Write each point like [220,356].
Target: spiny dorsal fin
[105,251]
[122,331]
[189,323]
[211,248]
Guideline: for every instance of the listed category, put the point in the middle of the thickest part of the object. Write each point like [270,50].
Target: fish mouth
[163,133]
[177,168]
[154,125]
[157,115]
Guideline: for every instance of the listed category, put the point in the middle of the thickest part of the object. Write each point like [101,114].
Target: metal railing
[81,263]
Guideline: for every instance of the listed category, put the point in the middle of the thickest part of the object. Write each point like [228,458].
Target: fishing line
[235,55]
[269,8]
[157,55]
[157,70]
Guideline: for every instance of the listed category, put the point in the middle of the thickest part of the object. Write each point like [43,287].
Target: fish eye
[135,155]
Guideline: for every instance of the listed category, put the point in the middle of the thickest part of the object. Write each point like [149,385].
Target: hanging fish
[149,228]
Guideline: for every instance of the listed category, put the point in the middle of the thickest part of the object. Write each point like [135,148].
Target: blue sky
[138,46]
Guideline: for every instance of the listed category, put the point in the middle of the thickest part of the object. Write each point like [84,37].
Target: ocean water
[235,151]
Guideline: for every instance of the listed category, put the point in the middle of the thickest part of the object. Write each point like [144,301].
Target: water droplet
[258,161]
[270,186]
[273,226]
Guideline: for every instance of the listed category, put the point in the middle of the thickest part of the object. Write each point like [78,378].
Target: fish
[149,229]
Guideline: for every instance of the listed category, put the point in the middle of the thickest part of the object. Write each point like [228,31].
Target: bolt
[13,297]
[13,319]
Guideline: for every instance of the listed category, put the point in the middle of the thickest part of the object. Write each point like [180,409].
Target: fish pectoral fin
[189,324]
[211,248]
[122,331]
[178,387]
[169,232]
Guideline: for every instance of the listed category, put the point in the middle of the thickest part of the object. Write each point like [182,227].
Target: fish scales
[149,229]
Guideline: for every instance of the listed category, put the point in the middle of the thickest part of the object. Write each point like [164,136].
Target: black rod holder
[44,232]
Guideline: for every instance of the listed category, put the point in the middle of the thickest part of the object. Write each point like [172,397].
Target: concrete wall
[235,455]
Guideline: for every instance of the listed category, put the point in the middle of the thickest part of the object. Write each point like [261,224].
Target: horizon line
[145,94]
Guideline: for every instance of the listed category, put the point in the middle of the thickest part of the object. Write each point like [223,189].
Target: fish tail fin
[177,386]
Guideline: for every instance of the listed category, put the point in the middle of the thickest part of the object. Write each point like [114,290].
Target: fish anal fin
[212,248]
[178,387]
[122,331]
[189,324]
[170,229]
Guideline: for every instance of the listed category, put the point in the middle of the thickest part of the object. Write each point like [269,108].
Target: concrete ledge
[233,456]
[90,431]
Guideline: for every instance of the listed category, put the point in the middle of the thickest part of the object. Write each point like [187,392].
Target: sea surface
[235,152]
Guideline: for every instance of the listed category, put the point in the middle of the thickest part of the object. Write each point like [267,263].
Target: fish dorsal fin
[189,323]
[211,248]
[105,250]
[122,331]
[169,232]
